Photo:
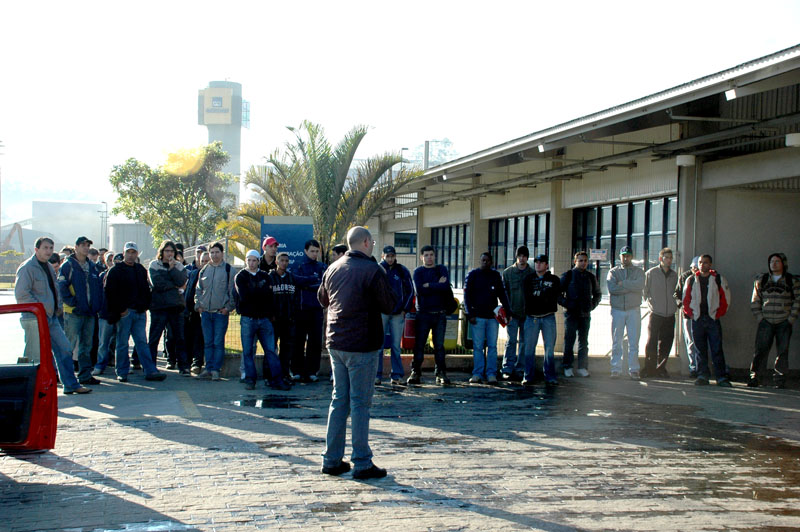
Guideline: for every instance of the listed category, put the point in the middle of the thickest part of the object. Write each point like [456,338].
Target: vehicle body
[28,385]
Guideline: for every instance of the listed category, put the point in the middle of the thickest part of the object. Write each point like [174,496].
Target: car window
[20,339]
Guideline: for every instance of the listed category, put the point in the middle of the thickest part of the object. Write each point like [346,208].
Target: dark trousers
[284,335]
[425,324]
[172,319]
[308,342]
[195,346]
[781,333]
[707,334]
[95,342]
[660,334]
[576,326]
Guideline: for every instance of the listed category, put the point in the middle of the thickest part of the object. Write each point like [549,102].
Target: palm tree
[312,178]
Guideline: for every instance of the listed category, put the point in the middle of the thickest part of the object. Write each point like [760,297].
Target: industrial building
[710,166]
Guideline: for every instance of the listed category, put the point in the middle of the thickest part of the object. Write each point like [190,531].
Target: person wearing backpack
[214,301]
[776,305]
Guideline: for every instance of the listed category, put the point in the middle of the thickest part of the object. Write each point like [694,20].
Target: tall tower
[221,109]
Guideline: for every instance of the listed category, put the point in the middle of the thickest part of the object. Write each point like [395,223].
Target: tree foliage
[311,177]
[184,200]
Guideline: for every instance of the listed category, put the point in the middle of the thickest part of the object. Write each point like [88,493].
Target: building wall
[455,212]
[742,249]
[517,201]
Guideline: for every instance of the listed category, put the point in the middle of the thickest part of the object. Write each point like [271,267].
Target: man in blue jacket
[308,339]
[483,288]
[431,285]
[79,287]
[400,281]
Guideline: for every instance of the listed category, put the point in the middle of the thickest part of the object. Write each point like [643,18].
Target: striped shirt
[776,301]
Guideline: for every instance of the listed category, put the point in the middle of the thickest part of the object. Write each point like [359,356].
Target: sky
[86,85]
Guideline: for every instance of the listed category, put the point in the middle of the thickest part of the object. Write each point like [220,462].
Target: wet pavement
[591,454]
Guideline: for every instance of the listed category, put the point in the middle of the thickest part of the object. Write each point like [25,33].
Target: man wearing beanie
[776,305]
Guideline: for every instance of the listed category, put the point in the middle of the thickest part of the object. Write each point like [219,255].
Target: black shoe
[80,390]
[752,383]
[647,374]
[136,366]
[122,378]
[90,381]
[724,382]
[442,380]
[343,467]
[693,374]
[171,366]
[371,472]
[414,378]
[185,372]
[701,381]
[249,386]
[663,374]
[155,377]
[281,385]
[780,385]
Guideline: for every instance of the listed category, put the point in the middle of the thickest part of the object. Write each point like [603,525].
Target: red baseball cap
[269,241]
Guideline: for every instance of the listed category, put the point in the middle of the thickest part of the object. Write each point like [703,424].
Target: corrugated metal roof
[767,66]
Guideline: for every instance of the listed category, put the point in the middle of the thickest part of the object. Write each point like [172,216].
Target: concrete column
[479,231]
[423,233]
[560,246]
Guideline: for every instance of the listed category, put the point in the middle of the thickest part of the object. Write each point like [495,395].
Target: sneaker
[136,365]
[662,374]
[568,372]
[693,374]
[313,378]
[158,376]
[701,381]
[583,372]
[79,390]
[780,385]
[295,377]
[249,386]
[122,378]
[527,382]
[281,385]
[752,383]
[90,381]
[616,374]
[491,380]
[475,379]
[371,472]
[196,370]
[185,372]
[414,378]
[442,380]
[205,375]
[505,376]
[635,375]
[724,382]
[215,376]
[377,382]
[171,366]
[398,382]
[343,467]
[96,372]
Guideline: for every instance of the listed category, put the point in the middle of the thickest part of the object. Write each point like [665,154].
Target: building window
[506,235]
[403,199]
[646,226]
[452,250]
[405,243]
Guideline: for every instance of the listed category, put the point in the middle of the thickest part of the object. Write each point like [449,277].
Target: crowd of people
[98,300]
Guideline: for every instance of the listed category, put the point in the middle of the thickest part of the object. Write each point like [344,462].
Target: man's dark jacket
[400,281]
[191,289]
[285,295]
[356,292]
[166,283]
[541,294]
[482,290]
[307,276]
[254,294]
[126,287]
[580,293]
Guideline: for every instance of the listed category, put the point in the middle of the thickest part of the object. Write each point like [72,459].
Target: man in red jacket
[705,301]
[356,292]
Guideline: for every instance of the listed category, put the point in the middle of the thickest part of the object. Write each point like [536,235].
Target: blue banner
[291,232]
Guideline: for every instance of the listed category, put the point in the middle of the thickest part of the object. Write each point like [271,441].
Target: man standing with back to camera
[356,292]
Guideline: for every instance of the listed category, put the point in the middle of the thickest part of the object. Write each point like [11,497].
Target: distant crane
[6,244]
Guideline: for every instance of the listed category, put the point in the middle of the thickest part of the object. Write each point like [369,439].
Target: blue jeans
[688,338]
[62,351]
[261,329]
[429,323]
[133,325]
[547,325]
[708,334]
[576,326]
[514,357]
[620,321]
[79,331]
[484,347]
[107,331]
[393,324]
[215,325]
[353,386]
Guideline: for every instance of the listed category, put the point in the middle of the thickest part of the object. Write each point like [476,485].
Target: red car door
[28,392]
